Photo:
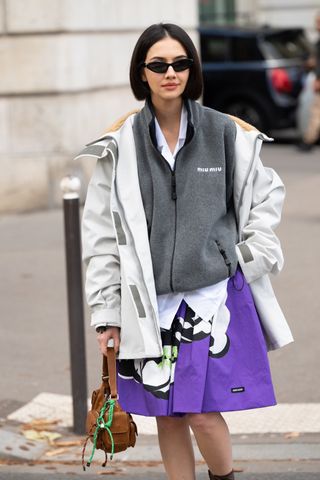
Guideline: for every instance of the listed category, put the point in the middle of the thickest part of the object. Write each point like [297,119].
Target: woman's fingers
[112,333]
[113,339]
[116,340]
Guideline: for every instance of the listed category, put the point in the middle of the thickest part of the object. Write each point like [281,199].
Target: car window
[245,50]
[285,45]
[214,49]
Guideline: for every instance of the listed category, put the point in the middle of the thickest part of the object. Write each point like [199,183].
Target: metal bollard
[70,187]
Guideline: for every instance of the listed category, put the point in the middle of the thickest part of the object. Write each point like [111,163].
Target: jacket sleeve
[100,250]
[260,252]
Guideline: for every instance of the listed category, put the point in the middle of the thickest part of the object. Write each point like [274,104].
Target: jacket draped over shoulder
[120,285]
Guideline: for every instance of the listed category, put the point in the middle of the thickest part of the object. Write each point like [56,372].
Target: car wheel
[248,112]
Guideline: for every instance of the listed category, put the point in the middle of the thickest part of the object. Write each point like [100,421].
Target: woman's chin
[169,95]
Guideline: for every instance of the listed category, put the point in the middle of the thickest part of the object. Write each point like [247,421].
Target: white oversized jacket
[120,285]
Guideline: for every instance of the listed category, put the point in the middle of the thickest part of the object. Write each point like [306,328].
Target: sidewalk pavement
[283,456]
[255,456]
[34,444]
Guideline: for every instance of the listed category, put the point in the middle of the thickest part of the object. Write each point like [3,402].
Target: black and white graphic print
[219,341]
[157,374]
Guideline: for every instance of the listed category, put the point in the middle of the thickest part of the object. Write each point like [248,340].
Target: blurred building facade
[64,77]
[282,13]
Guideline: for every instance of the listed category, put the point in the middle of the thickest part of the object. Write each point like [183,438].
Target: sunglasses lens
[162,67]
[158,67]
[181,65]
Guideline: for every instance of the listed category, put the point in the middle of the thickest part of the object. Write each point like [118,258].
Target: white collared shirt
[203,301]
[162,144]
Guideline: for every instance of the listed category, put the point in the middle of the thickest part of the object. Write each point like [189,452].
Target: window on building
[217,12]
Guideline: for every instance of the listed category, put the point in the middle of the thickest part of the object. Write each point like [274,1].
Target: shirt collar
[193,118]
[161,141]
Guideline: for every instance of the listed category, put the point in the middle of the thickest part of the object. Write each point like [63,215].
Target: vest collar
[193,111]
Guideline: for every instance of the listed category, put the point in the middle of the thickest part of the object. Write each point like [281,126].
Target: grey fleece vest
[189,210]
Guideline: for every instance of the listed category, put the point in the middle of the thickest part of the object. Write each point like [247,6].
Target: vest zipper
[174,198]
[173,185]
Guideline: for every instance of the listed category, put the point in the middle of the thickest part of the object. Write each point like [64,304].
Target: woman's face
[169,85]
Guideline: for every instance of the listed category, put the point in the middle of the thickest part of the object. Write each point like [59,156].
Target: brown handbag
[108,427]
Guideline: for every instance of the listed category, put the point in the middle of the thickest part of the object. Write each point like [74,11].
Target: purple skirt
[207,366]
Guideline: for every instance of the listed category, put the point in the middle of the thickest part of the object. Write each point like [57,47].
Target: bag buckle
[113,398]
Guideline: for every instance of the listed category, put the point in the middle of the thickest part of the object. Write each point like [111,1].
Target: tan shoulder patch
[118,123]
[246,126]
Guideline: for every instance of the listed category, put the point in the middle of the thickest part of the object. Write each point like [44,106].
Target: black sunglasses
[162,67]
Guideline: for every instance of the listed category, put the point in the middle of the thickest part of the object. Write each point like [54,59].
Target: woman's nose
[170,72]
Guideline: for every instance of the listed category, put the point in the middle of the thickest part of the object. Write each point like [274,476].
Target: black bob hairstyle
[149,37]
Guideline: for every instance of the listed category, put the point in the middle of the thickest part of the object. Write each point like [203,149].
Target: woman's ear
[143,76]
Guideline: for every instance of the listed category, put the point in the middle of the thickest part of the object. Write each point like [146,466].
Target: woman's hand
[104,337]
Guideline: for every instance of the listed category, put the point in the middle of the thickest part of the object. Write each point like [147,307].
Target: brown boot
[230,476]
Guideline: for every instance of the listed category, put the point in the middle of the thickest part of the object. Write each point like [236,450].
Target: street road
[284,471]
[154,476]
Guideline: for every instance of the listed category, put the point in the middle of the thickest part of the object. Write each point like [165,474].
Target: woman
[179,218]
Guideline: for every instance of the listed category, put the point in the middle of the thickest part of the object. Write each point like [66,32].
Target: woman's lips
[170,86]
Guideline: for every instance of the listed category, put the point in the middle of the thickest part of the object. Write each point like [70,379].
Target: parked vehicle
[254,73]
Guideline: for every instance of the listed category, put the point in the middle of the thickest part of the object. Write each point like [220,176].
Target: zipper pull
[173,187]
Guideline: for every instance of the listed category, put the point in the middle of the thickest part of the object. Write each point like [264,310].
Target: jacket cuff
[106,316]
[100,325]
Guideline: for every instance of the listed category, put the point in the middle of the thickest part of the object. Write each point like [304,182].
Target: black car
[254,73]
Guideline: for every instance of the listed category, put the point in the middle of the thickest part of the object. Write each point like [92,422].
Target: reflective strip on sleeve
[113,148]
[93,150]
[120,232]
[137,301]
[246,253]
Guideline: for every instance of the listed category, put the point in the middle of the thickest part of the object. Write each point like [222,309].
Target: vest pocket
[121,236]
[137,300]
[225,257]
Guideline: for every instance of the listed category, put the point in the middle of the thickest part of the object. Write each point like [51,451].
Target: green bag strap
[102,424]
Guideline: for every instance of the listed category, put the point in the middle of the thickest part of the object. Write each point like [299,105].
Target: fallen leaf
[70,443]
[110,472]
[292,435]
[142,463]
[40,424]
[57,451]
[41,435]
